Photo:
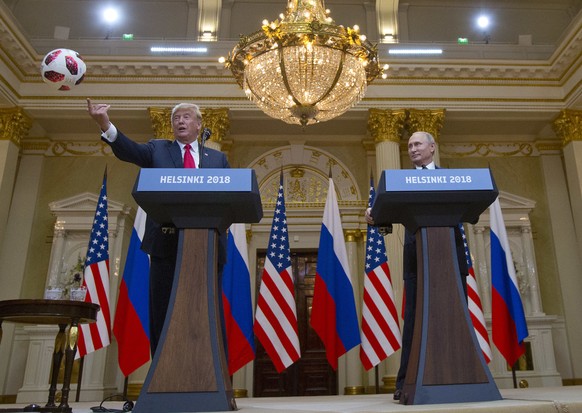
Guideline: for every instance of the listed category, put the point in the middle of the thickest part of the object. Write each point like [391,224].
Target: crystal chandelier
[304,68]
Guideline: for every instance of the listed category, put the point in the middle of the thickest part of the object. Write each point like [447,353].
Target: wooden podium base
[446,364]
[189,372]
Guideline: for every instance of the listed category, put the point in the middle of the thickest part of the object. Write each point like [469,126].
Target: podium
[189,372]
[446,364]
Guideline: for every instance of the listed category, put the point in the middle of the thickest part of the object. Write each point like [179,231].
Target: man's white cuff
[110,134]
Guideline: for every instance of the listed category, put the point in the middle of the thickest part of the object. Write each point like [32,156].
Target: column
[568,127]
[14,125]
[16,230]
[55,265]
[429,120]
[531,271]
[385,127]
[566,248]
[351,361]
[481,272]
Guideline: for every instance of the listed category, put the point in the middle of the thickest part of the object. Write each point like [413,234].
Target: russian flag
[333,313]
[236,300]
[508,318]
[131,324]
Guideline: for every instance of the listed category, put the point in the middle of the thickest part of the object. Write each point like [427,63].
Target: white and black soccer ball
[63,69]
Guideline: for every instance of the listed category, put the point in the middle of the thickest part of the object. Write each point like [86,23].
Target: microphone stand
[205,136]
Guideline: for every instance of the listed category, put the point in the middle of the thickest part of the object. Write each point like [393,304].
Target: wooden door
[311,375]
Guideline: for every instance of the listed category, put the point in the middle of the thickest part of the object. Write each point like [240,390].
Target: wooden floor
[533,400]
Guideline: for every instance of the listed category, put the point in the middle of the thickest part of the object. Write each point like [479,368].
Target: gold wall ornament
[161,122]
[304,69]
[14,125]
[386,124]
[218,121]
[488,149]
[351,235]
[429,120]
[568,126]
[297,172]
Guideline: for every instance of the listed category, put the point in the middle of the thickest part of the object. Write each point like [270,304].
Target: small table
[62,313]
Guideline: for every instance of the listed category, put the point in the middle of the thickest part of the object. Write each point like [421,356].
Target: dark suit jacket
[163,153]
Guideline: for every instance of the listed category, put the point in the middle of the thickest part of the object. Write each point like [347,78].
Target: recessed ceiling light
[483,22]
[178,49]
[415,51]
[110,15]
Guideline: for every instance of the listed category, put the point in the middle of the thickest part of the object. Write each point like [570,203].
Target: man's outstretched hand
[99,114]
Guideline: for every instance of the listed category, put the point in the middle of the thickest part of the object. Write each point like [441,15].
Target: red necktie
[188,159]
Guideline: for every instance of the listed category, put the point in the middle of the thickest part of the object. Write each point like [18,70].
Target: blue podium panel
[432,197]
[199,198]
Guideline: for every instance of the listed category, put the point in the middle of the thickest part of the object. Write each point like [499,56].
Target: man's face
[420,149]
[185,126]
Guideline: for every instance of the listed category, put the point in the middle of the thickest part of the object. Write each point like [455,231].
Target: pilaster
[352,359]
[385,127]
[568,127]
[14,125]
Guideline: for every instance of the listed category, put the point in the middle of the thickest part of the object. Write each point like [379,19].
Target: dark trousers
[161,280]
[407,329]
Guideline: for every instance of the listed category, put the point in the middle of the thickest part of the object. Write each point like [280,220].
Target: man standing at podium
[160,240]
[421,149]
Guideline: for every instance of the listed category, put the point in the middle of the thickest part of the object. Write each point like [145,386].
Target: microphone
[205,136]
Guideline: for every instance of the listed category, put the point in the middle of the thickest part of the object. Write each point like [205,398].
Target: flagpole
[513,374]
[125,383]
[376,379]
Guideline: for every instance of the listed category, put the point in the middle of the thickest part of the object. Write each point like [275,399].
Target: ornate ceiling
[513,79]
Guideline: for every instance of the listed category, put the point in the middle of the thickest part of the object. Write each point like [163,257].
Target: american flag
[276,315]
[380,329]
[96,278]
[474,303]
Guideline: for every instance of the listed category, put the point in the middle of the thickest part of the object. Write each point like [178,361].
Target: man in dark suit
[421,148]
[160,240]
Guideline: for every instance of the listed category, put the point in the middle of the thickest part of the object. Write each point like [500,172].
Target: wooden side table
[62,313]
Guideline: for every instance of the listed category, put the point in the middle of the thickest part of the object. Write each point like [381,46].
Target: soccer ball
[63,69]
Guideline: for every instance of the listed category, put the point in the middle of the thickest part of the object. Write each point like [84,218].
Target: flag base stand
[446,363]
[189,372]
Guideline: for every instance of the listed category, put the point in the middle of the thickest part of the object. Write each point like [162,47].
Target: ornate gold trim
[386,124]
[218,121]
[426,120]
[14,124]
[568,126]
[354,390]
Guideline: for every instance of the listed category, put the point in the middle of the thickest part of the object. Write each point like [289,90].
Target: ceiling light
[178,49]
[415,51]
[304,68]
[483,22]
[110,15]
